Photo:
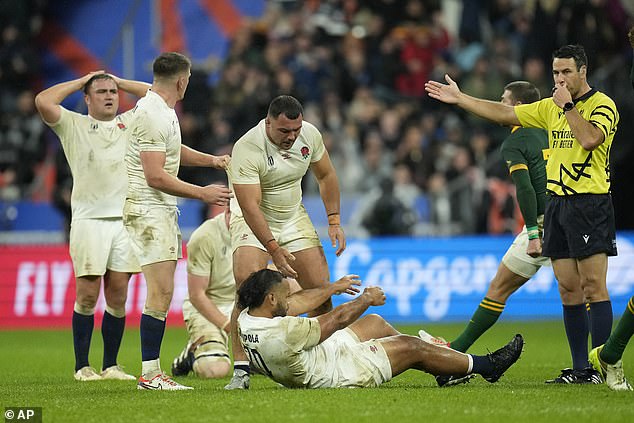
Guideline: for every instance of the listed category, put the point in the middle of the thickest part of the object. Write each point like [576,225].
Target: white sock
[151,367]
[470,369]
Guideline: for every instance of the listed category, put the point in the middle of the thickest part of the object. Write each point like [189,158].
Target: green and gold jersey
[571,169]
[527,149]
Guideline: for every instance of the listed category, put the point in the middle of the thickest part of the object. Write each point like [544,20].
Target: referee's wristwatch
[568,106]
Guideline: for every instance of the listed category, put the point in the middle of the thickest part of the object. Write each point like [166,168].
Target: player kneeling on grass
[339,349]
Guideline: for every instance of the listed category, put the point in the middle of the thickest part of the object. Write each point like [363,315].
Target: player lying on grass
[339,349]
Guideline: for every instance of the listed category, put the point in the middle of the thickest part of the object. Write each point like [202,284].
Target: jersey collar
[585,96]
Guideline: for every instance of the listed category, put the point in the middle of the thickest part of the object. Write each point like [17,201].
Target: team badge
[121,126]
[373,349]
[305,152]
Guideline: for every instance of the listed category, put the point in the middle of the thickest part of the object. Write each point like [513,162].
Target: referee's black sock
[576,324]
[600,322]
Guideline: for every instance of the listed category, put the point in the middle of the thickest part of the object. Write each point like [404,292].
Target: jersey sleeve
[200,254]
[303,333]
[149,134]
[605,117]
[318,142]
[246,163]
[512,153]
[65,123]
[534,115]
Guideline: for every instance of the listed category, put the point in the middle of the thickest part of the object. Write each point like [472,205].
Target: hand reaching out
[347,285]
[447,93]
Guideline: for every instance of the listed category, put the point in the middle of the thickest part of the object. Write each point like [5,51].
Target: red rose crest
[305,152]
[121,126]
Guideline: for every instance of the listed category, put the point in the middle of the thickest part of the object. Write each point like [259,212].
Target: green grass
[36,370]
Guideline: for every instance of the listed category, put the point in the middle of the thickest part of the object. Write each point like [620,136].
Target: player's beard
[280,310]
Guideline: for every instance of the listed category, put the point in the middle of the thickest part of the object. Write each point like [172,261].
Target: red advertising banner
[37,289]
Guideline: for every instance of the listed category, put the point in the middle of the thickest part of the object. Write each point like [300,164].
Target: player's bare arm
[249,197]
[136,88]
[307,300]
[586,134]
[48,101]
[196,286]
[491,110]
[326,177]
[345,314]
[153,163]
[191,157]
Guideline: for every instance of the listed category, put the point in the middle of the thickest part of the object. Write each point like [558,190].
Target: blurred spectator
[387,214]
[63,189]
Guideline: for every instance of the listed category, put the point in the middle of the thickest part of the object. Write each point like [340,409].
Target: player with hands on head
[94,146]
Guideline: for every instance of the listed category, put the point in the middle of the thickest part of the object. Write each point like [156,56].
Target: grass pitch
[36,371]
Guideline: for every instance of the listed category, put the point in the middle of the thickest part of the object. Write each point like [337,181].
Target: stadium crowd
[359,68]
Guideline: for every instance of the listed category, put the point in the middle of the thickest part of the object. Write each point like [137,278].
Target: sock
[82,334]
[576,325]
[601,317]
[614,347]
[152,330]
[481,364]
[241,366]
[484,317]
[150,368]
[112,331]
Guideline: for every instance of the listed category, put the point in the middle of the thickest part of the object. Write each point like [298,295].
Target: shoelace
[165,378]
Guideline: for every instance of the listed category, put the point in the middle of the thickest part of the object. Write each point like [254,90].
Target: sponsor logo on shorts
[586,238]
[243,237]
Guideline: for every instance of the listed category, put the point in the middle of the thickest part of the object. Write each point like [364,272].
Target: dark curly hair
[253,290]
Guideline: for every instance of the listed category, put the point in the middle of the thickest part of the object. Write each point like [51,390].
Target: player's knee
[84,308]
[86,302]
[116,299]
[117,312]
[375,320]
[595,291]
[211,369]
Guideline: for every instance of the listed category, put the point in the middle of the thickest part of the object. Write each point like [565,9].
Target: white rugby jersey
[256,160]
[209,254]
[95,151]
[288,350]
[155,127]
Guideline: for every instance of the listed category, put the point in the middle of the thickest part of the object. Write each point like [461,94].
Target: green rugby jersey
[571,169]
[527,149]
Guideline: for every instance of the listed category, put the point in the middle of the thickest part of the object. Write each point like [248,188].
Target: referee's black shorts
[578,226]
